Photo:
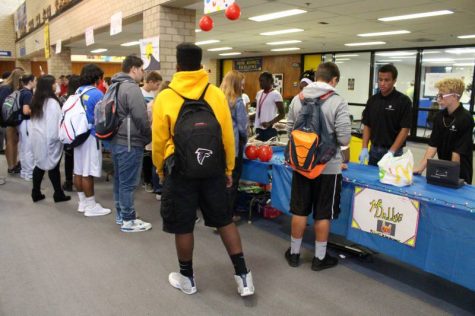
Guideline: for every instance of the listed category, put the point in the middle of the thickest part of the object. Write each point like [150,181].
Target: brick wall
[60,64]
[7,34]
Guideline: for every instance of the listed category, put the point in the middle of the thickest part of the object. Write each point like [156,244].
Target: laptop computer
[443,172]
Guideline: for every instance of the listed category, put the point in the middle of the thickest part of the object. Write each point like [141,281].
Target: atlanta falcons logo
[202,153]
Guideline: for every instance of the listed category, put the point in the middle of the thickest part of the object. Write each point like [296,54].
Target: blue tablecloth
[446,234]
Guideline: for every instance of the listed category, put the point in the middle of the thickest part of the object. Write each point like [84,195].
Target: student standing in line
[182,194]
[295,105]
[320,196]
[9,85]
[452,132]
[46,146]
[129,143]
[269,108]
[88,156]
[28,82]
[386,118]
[232,89]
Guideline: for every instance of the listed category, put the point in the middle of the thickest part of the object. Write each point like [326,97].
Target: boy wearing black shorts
[320,196]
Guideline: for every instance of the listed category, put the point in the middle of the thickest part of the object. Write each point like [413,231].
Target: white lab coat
[45,144]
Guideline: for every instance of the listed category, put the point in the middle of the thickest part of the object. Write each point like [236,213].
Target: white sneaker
[97,210]
[81,207]
[245,284]
[158,197]
[136,225]
[185,284]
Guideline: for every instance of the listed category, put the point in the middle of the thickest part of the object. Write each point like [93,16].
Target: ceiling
[8,7]
[345,18]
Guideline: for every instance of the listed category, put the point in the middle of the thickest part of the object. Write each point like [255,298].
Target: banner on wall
[248,64]
[149,52]
[387,215]
[279,82]
[116,23]
[216,5]
[20,20]
[47,43]
[89,36]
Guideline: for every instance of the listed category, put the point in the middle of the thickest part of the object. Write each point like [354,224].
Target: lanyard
[261,102]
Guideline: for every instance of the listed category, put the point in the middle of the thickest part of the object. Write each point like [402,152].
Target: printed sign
[116,23]
[5,53]
[149,52]
[387,215]
[248,64]
[89,36]
[58,47]
[216,5]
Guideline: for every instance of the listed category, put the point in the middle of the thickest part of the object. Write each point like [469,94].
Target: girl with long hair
[11,84]
[232,89]
[46,146]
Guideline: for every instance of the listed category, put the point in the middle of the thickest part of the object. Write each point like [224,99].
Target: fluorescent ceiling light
[431,52]
[398,54]
[459,51]
[286,31]
[415,16]
[470,58]
[342,59]
[348,55]
[284,49]
[388,60]
[464,64]
[276,15]
[230,54]
[130,44]
[365,43]
[437,60]
[339,62]
[384,33]
[99,50]
[404,57]
[197,30]
[207,42]
[284,42]
[218,49]
[466,36]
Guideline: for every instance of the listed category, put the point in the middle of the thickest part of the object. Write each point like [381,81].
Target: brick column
[24,63]
[60,64]
[173,26]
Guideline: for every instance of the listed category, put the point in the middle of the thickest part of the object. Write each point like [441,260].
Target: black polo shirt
[386,116]
[453,133]
[26,96]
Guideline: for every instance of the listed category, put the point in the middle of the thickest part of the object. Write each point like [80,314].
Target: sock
[186,268]
[239,263]
[320,249]
[295,245]
[90,201]
[82,197]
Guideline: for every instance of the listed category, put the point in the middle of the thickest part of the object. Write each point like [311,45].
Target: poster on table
[47,43]
[216,5]
[387,215]
[279,82]
[116,23]
[431,79]
[149,52]
[89,36]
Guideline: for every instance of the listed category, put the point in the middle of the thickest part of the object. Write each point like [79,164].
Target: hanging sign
[89,36]
[149,52]
[211,6]
[116,23]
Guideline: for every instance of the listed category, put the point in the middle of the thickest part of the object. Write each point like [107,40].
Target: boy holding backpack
[193,151]
[320,195]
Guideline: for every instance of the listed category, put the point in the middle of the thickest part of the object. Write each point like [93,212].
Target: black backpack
[106,115]
[199,149]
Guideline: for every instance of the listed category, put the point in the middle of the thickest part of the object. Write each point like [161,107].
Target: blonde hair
[232,86]
[164,85]
[451,85]
[14,80]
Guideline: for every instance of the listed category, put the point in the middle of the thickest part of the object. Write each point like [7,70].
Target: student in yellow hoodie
[183,191]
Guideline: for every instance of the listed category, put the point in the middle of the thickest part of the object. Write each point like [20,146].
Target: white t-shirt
[245,99]
[266,108]
[148,96]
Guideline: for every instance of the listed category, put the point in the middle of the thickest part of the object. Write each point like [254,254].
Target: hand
[364,155]
[418,171]
[229,181]
[266,125]
[26,109]
[344,166]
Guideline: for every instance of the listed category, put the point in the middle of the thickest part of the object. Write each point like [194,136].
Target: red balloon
[265,153]
[206,23]
[233,12]
[251,152]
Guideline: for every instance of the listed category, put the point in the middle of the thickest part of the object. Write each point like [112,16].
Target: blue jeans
[127,169]
[377,152]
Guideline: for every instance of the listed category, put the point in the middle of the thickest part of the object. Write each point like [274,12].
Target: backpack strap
[201,98]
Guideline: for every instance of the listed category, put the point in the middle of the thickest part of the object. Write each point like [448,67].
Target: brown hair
[327,71]
[14,80]
[153,76]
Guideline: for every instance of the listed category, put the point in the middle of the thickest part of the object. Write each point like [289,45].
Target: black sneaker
[325,263]
[292,259]
[15,170]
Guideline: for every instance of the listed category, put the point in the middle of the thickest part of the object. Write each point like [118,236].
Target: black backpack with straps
[199,149]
